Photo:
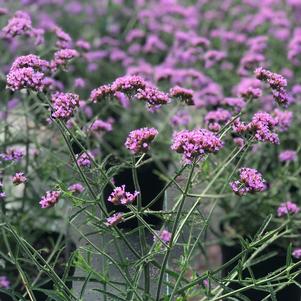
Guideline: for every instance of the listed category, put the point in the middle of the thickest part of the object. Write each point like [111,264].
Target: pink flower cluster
[12,154]
[152,96]
[138,141]
[164,235]
[4,282]
[261,125]
[185,95]
[297,253]
[287,156]
[19,178]
[50,199]
[64,105]
[180,118]
[284,119]
[84,159]
[76,188]
[62,57]
[287,208]
[195,144]
[250,181]
[19,24]
[214,119]
[115,219]
[277,83]
[101,126]
[27,72]
[121,197]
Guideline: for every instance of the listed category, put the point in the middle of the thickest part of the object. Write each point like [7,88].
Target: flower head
[185,95]
[27,72]
[50,199]
[287,156]
[76,188]
[286,208]
[84,159]
[62,57]
[64,104]
[297,253]
[19,178]
[120,197]
[12,154]
[115,219]
[139,140]
[195,144]
[152,96]
[164,235]
[250,181]
[101,126]
[4,282]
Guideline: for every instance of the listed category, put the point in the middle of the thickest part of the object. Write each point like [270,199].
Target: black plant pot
[289,293]
[150,184]
[43,241]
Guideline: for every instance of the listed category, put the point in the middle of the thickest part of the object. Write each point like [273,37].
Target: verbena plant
[194,107]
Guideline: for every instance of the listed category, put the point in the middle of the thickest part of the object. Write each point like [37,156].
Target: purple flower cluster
[286,208]
[50,199]
[185,95]
[287,156]
[4,282]
[63,39]
[234,102]
[250,181]
[195,144]
[138,141]
[284,119]
[164,235]
[62,58]
[115,219]
[64,105]
[121,197]
[19,24]
[128,84]
[76,188]
[12,154]
[261,125]
[297,253]
[214,119]
[84,159]
[19,178]
[152,96]
[27,72]
[100,126]
[180,118]
[100,93]
[277,83]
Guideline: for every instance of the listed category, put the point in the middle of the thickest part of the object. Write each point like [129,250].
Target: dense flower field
[137,133]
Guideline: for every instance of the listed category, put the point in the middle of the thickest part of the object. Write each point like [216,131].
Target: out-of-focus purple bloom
[250,181]
[64,40]
[123,99]
[19,178]
[286,208]
[180,118]
[50,199]
[100,126]
[121,197]
[164,235]
[19,24]
[115,219]
[297,253]
[195,144]
[76,188]
[82,44]
[237,103]
[12,154]
[128,83]
[239,141]
[4,282]
[100,93]
[214,119]
[79,83]
[185,95]
[212,57]
[139,140]
[287,156]
[84,159]
[284,119]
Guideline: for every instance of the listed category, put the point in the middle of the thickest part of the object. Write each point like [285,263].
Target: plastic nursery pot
[150,184]
[289,293]
[44,244]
